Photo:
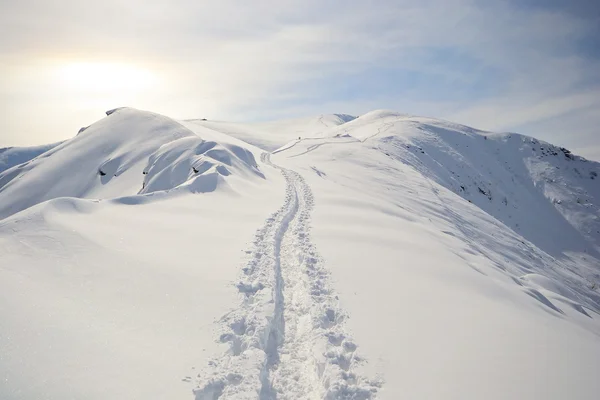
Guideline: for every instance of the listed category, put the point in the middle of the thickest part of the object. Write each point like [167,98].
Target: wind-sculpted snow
[543,193]
[195,164]
[508,176]
[544,201]
[126,153]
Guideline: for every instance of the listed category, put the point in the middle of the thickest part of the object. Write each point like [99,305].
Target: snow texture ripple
[286,340]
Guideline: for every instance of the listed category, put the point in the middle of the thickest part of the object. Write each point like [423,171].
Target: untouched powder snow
[381,257]
[11,156]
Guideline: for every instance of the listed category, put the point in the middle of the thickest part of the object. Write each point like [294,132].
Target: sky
[526,66]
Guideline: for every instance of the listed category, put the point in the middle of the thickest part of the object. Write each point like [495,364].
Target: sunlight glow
[105,78]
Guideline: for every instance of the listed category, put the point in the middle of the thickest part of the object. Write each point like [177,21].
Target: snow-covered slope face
[272,135]
[542,192]
[456,292]
[11,156]
[126,153]
[329,258]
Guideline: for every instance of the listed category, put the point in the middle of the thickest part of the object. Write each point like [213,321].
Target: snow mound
[46,213]
[128,152]
[195,164]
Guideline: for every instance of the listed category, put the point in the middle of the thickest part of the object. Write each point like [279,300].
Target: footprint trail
[286,339]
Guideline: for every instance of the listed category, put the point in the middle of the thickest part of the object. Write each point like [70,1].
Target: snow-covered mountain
[129,152]
[382,256]
[270,135]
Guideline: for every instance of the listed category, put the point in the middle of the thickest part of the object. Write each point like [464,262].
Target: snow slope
[386,256]
[11,156]
[115,297]
[126,153]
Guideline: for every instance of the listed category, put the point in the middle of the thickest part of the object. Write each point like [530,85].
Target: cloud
[493,64]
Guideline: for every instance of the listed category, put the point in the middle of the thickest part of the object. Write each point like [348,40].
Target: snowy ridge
[506,175]
[271,135]
[549,197]
[289,343]
[127,153]
[453,156]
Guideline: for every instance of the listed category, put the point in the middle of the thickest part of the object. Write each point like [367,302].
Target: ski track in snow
[382,129]
[316,146]
[286,340]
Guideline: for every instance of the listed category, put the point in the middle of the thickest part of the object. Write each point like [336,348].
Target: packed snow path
[286,339]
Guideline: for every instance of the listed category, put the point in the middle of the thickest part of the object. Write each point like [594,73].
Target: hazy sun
[98,77]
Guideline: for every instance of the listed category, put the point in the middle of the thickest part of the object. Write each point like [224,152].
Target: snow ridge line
[286,339]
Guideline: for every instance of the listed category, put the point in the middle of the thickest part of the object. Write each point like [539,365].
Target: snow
[115,298]
[423,272]
[108,300]
[386,256]
[11,156]
[118,156]
[271,135]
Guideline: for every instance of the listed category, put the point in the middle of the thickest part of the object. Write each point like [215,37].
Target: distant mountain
[271,135]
